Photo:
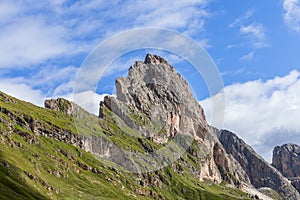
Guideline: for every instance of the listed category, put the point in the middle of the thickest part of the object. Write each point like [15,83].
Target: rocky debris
[261,173]
[286,159]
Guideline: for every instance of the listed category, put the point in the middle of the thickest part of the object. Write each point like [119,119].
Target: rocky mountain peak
[154,91]
[154,59]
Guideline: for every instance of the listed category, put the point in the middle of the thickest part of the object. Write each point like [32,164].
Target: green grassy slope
[37,167]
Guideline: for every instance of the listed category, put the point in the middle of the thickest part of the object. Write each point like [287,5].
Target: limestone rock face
[261,173]
[286,159]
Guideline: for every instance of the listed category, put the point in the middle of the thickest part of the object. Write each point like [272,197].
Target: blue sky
[255,45]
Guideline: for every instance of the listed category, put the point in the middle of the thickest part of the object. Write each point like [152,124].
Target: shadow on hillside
[12,185]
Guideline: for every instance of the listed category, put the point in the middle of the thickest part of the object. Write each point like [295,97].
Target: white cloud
[248,56]
[239,20]
[254,29]
[256,33]
[234,72]
[30,41]
[292,14]
[170,14]
[264,114]
[22,91]
[88,100]
[8,9]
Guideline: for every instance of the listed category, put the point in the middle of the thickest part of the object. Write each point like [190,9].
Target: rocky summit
[155,90]
[150,141]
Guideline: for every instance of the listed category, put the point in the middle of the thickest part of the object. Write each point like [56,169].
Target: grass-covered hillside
[34,166]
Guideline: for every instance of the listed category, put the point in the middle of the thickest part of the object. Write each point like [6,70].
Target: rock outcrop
[286,159]
[261,173]
[60,104]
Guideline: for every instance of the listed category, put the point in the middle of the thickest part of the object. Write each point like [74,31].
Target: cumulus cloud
[88,100]
[22,91]
[292,14]
[30,41]
[263,113]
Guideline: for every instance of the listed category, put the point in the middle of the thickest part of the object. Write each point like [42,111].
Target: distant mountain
[286,159]
[260,172]
[151,141]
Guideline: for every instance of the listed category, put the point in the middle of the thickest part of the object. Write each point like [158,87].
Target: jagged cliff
[65,152]
[286,159]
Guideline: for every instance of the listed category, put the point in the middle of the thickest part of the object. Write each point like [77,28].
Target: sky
[254,44]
